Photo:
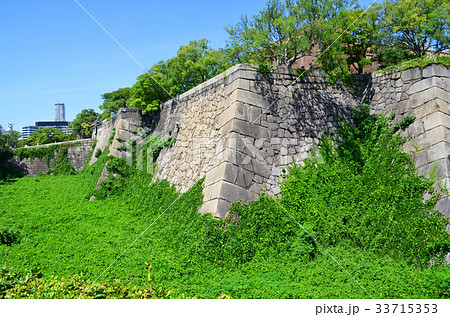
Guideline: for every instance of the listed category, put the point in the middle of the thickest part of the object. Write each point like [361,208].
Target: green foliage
[113,101]
[419,62]
[31,285]
[46,136]
[82,124]
[391,56]
[63,165]
[359,197]
[262,68]
[111,138]
[417,25]
[9,236]
[123,148]
[47,152]
[194,64]
[367,191]
[98,153]
[9,139]
[438,283]
[260,229]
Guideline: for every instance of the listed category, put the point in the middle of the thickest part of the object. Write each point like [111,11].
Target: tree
[81,125]
[150,89]
[360,37]
[194,64]
[285,32]
[417,25]
[46,136]
[275,34]
[113,101]
[9,139]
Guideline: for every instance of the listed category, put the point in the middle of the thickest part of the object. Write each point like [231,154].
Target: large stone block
[235,110]
[246,128]
[124,134]
[438,151]
[432,136]
[224,171]
[436,70]
[436,119]
[249,98]
[219,208]
[224,190]
[427,83]
[435,105]
[238,83]
[425,96]
[411,74]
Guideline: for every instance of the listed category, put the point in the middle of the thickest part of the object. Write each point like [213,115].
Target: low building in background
[59,123]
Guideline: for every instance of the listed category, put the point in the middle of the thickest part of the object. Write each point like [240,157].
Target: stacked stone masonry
[77,157]
[425,94]
[241,129]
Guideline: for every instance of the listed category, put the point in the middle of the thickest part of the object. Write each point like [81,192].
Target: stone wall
[425,94]
[116,132]
[241,128]
[77,156]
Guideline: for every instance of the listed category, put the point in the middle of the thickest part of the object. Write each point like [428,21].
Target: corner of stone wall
[425,94]
[228,181]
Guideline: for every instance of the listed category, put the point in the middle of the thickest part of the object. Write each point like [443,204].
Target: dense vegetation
[359,199]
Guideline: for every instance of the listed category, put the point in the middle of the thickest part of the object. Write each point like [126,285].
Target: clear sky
[52,51]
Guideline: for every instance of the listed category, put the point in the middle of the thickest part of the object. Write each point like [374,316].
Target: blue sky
[51,51]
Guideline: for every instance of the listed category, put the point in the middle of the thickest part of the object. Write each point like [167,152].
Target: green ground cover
[51,231]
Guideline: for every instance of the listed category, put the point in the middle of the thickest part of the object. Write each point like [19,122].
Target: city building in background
[28,131]
[60,112]
[59,123]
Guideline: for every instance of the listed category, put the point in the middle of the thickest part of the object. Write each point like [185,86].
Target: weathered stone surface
[433,136]
[77,156]
[410,74]
[432,106]
[427,83]
[435,70]
[438,151]
[436,119]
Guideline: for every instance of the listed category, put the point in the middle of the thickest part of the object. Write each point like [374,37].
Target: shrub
[63,165]
[32,285]
[9,236]
[363,188]
[98,153]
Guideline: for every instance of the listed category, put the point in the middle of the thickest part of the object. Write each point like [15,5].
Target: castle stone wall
[241,128]
[425,94]
[77,157]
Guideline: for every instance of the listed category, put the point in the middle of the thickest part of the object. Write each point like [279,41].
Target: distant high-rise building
[60,112]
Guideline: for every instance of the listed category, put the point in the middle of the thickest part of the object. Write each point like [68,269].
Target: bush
[32,285]
[98,153]
[9,236]
[363,188]
[63,165]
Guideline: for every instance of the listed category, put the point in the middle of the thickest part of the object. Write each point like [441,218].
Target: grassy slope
[63,233]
